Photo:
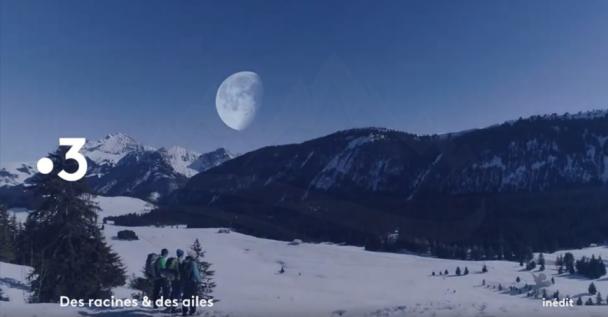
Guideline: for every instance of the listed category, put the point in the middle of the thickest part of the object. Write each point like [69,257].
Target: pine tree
[2,297]
[484,269]
[446,272]
[66,248]
[569,262]
[598,298]
[205,268]
[592,290]
[541,259]
[8,231]
[466,270]
[579,301]
[589,302]
[517,279]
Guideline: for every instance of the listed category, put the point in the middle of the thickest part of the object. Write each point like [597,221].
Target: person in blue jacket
[191,281]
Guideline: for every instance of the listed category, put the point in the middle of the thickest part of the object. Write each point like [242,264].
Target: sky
[151,69]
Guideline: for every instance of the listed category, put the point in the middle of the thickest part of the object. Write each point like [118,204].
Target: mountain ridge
[518,181]
[119,165]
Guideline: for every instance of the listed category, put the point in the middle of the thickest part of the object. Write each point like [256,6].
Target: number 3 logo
[73,153]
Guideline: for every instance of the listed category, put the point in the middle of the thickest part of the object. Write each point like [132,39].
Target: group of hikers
[174,277]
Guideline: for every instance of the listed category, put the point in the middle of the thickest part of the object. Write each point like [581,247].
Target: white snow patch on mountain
[342,163]
[180,159]
[15,173]
[111,148]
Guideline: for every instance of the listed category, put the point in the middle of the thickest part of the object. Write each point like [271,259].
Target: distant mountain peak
[211,159]
[180,159]
[111,148]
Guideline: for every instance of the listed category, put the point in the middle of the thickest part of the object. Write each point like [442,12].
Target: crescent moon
[238,99]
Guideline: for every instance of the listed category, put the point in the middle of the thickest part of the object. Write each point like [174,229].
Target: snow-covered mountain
[112,148]
[13,174]
[119,165]
[534,154]
[493,184]
[181,159]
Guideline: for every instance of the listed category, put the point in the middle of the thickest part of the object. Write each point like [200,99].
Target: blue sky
[151,68]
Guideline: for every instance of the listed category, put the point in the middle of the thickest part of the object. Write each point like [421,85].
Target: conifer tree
[541,259]
[598,298]
[205,268]
[484,269]
[8,231]
[66,248]
[569,262]
[458,270]
[592,290]
[579,301]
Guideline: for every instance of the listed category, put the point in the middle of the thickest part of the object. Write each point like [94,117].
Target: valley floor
[324,280]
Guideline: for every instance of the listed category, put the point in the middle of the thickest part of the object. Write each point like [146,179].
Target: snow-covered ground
[109,207]
[324,280]
[116,206]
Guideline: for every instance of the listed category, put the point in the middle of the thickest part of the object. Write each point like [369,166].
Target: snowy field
[321,279]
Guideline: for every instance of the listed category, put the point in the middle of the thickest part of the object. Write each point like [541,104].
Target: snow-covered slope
[13,174]
[110,149]
[116,206]
[109,207]
[330,280]
[119,165]
[181,159]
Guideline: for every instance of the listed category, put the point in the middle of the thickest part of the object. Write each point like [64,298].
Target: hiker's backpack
[170,272]
[171,264]
[150,270]
[186,270]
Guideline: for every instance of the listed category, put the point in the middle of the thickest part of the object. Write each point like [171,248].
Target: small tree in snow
[208,284]
[592,290]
